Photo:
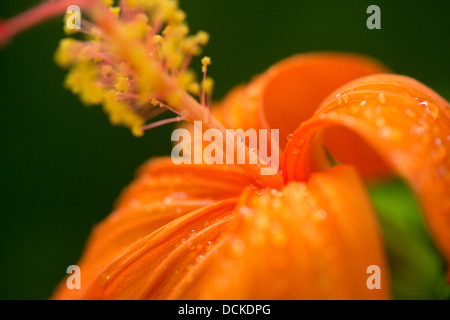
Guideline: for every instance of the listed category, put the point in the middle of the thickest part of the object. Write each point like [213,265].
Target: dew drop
[289,137]
[439,153]
[321,214]
[423,104]
[433,110]
[380,122]
[167,200]
[345,98]
[385,132]
[238,246]
[381,98]
[438,141]
[244,210]
[363,103]
[410,113]
[417,130]
[179,195]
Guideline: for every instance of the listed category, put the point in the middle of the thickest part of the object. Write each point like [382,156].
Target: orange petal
[308,241]
[163,264]
[294,88]
[162,192]
[405,122]
[290,91]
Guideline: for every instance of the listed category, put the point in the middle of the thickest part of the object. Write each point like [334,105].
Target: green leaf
[417,269]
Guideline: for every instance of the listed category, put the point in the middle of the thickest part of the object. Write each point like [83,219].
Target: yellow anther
[190,46]
[186,78]
[115,11]
[67,52]
[137,131]
[206,61]
[194,88]
[202,38]
[158,39]
[208,85]
[121,114]
[180,16]
[122,84]
[82,80]
[155,102]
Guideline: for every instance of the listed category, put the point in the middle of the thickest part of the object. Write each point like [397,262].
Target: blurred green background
[63,165]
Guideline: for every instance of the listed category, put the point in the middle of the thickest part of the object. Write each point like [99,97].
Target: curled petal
[300,243]
[404,122]
[291,91]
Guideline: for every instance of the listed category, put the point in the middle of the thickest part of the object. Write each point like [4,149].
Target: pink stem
[202,98]
[161,123]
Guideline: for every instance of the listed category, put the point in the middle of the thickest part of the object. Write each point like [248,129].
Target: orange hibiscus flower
[225,231]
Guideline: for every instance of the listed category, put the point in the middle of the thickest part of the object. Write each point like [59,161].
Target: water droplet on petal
[410,113]
[423,104]
[439,153]
[321,214]
[385,132]
[380,122]
[433,110]
[417,130]
[289,137]
[438,141]
[381,98]
[244,210]
[238,246]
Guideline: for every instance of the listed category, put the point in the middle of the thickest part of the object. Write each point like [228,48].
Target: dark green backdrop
[62,164]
